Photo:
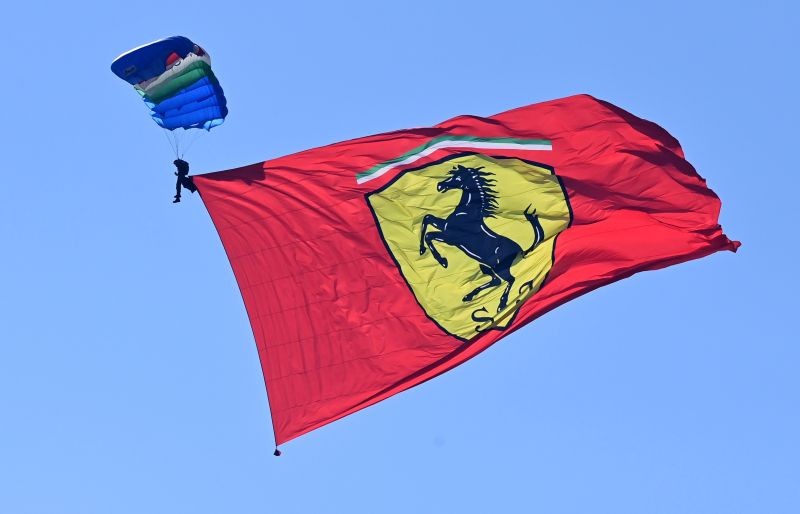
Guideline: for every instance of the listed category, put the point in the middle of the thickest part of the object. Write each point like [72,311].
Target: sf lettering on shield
[482,318]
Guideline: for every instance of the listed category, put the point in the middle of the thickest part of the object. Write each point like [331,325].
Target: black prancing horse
[466,229]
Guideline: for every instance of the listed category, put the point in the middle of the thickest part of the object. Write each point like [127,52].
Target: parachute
[175,80]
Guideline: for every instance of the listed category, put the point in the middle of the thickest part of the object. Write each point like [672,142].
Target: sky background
[129,379]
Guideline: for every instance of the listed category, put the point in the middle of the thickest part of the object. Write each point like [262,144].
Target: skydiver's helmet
[182,165]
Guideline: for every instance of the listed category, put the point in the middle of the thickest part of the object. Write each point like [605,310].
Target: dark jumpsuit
[183,179]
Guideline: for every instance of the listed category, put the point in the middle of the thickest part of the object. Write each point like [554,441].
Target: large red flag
[372,265]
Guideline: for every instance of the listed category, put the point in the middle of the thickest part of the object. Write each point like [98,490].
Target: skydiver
[183,179]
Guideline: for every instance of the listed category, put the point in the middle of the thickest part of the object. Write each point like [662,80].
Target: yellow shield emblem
[473,236]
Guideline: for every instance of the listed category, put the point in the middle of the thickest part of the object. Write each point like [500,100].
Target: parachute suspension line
[177,138]
[169,142]
[194,138]
[177,144]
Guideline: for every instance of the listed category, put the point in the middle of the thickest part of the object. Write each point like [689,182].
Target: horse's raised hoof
[422,250]
[443,262]
[467,298]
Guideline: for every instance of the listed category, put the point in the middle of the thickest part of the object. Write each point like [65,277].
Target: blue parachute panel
[148,61]
[197,92]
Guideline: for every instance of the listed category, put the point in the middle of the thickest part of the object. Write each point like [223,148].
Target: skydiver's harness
[183,179]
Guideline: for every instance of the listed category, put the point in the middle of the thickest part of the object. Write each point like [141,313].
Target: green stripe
[189,75]
[438,140]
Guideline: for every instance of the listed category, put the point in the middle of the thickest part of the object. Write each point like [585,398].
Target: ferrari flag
[370,266]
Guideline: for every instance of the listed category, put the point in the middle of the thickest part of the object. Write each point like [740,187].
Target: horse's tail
[538,231]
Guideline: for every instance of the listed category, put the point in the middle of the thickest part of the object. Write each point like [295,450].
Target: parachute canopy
[175,80]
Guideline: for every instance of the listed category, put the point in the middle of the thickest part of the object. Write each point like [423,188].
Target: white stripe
[489,145]
[176,69]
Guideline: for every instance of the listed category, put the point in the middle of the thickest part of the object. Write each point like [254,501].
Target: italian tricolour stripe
[455,143]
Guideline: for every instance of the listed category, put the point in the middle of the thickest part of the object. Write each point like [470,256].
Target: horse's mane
[488,195]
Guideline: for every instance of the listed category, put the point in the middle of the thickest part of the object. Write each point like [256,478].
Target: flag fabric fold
[370,266]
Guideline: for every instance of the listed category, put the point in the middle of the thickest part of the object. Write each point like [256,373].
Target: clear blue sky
[129,380]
